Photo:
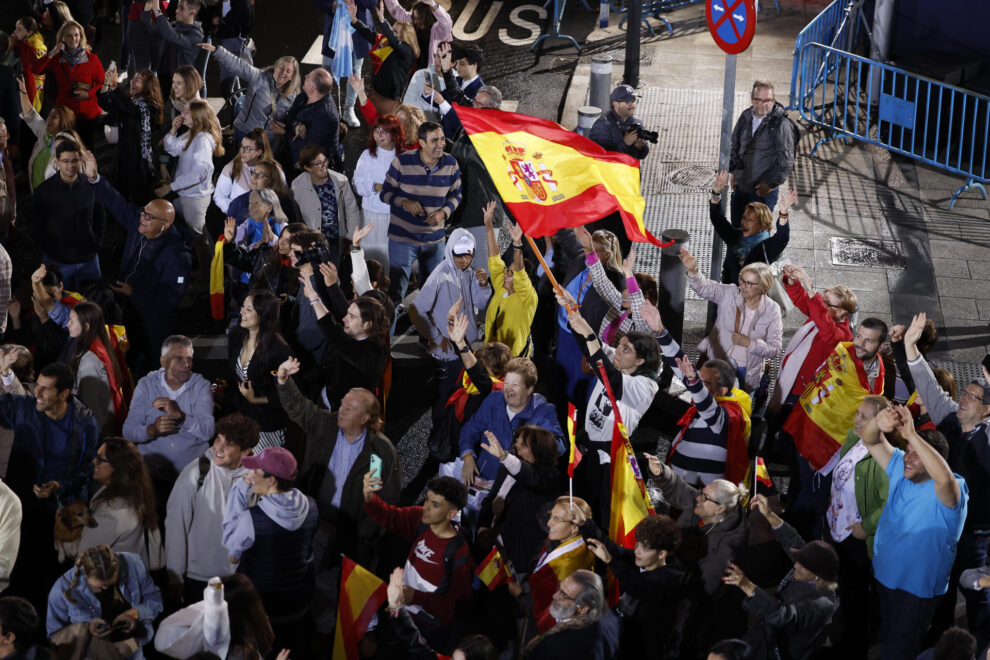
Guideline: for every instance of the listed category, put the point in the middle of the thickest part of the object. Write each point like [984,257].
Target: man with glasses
[67,222]
[154,269]
[966,425]
[586,627]
[617,129]
[762,151]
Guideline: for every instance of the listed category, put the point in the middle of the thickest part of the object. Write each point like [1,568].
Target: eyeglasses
[828,304]
[553,518]
[563,594]
[74,161]
[319,163]
[709,498]
[259,175]
[747,283]
[966,394]
[144,213]
[381,131]
[247,148]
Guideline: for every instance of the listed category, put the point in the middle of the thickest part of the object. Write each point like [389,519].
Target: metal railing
[840,25]
[937,124]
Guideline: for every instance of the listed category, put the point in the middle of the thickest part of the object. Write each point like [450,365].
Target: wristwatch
[466,349]
[591,337]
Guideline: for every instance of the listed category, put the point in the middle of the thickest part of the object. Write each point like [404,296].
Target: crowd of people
[148,510]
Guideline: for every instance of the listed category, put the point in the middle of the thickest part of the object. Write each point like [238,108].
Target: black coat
[596,641]
[133,174]
[270,416]
[767,252]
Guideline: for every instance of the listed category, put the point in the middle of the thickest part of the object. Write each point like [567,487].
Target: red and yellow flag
[493,571]
[630,503]
[216,281]
[551,178]
[574,457]
[361,594]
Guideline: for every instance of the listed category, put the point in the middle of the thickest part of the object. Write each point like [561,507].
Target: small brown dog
[69,523]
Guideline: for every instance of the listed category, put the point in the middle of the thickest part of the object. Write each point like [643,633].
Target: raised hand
[651,315]
[629,263]
[913,333]
[493,446]
[690,263]
[352,10]
[656,466]
[515,232]
[457,328]
[330,276]
[721,179]
[565,299]
[599,550]
[886,420]
[787,200]
[584,236]
[360,233]
[489,213]
[686,368]
[229,229]
[39,274]
[288,368]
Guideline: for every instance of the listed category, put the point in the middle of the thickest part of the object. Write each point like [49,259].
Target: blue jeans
[741,199]
[904,620]
[401,257]
[74,275]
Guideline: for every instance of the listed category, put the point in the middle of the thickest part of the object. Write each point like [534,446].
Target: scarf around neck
[747,243]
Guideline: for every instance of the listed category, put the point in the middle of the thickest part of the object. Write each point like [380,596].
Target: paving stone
[953,267]
[960,308]
[873,303]
[856,279]
[980,270]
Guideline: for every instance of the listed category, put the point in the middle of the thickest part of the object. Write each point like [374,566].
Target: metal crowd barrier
[855,97]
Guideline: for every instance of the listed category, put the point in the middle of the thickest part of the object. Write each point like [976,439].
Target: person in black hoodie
[154,268]
[650,588]
[180,37]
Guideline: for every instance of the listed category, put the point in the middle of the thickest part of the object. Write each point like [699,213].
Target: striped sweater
[437,187]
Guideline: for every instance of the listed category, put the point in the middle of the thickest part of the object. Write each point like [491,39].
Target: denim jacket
[135,586]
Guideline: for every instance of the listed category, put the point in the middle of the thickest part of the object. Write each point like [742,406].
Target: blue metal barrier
[938,124]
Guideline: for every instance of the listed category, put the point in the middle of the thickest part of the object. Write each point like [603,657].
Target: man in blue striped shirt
[423,188]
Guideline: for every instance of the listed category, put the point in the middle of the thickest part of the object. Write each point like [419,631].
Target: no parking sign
[732,23]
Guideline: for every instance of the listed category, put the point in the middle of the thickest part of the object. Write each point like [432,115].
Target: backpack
[204,469]
[449,553]
[795,129]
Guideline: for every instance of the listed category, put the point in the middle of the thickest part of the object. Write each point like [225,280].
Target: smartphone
[375,465]
[435,79]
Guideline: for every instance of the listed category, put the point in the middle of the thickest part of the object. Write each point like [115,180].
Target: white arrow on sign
[738,17]
[717,7]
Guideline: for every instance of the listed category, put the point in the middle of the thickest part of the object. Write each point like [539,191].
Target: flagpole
[546,269]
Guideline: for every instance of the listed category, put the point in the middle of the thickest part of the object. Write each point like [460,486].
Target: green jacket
[871,490]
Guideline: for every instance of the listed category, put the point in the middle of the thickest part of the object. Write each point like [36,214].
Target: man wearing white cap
[451,286]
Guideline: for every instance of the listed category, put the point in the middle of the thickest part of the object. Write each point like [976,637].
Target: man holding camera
[618,130]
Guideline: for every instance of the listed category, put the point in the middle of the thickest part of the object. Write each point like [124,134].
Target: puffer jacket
[261,91]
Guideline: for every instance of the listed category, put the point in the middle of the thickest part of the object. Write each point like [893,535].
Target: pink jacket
[441,30]
[765,329]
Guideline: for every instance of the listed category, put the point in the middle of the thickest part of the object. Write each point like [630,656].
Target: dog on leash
[69,523]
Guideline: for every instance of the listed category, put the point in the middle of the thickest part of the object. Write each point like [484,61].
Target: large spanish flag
[630,502]
[551,178]
[361,594]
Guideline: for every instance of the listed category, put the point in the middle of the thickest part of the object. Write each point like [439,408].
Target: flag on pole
[574,457]
[341,42]
[630,502]
[493,571]
[758,479]
[361,594]
[216,281]
[551,178]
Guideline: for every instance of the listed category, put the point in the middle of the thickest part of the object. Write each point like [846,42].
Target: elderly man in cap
[453,286]
[271,541]
[154,269]
[617,130]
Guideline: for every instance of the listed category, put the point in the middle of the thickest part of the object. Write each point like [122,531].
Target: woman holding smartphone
[78,76]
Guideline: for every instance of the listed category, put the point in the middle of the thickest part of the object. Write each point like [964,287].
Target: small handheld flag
[493,570]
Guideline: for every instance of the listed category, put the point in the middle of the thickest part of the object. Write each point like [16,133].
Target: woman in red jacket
[78,76]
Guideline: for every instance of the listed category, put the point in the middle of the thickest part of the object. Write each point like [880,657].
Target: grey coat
[261,94]
[764,157]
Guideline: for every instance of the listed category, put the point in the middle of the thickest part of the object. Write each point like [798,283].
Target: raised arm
[946,486]
[940,405]
[873,439]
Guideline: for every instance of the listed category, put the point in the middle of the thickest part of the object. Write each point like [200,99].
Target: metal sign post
[732,24]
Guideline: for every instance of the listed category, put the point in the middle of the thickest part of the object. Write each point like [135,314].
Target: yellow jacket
[514,313]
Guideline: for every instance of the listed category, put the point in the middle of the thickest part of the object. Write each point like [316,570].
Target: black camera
[316,255]
[648,135]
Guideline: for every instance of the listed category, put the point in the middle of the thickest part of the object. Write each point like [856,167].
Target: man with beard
[585,627]
[823,414]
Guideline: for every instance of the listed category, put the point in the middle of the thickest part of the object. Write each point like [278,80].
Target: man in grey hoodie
[271,541]
[178,41]
[193,549]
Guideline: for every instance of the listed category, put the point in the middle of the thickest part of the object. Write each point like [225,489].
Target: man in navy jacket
[154,269]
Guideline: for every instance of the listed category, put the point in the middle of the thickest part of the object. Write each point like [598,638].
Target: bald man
[154,269]
[311,119]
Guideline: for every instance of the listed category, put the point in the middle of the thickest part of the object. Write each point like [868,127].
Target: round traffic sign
[732,23]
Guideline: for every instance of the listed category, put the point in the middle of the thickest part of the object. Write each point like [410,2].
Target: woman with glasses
[752,243]
[748,328]
[268,266]
[106,600]
[235,177]
[123,506]
[369,176]
[267,174]
[326,201]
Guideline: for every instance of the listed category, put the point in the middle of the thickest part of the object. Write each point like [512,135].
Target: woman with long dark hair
[136,112]
[230,621]
[235,177]
[123,507]
[269,266]
[101,382]
[256,348]
[369,176]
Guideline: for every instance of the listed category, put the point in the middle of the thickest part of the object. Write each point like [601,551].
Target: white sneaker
[350,118]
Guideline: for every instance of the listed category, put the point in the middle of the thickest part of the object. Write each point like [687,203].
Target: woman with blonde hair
[78,76]
[106,600]
[748,328]
[389,83]
[270,91]
[136,111]
[193,180]
[186,86]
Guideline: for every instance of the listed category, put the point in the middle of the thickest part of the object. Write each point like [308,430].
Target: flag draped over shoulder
[361,594]
[551,178]
[630,503]
[820,420]
[216,280]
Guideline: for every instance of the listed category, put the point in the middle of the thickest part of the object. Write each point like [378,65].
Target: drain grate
[694,177]
[866,253]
